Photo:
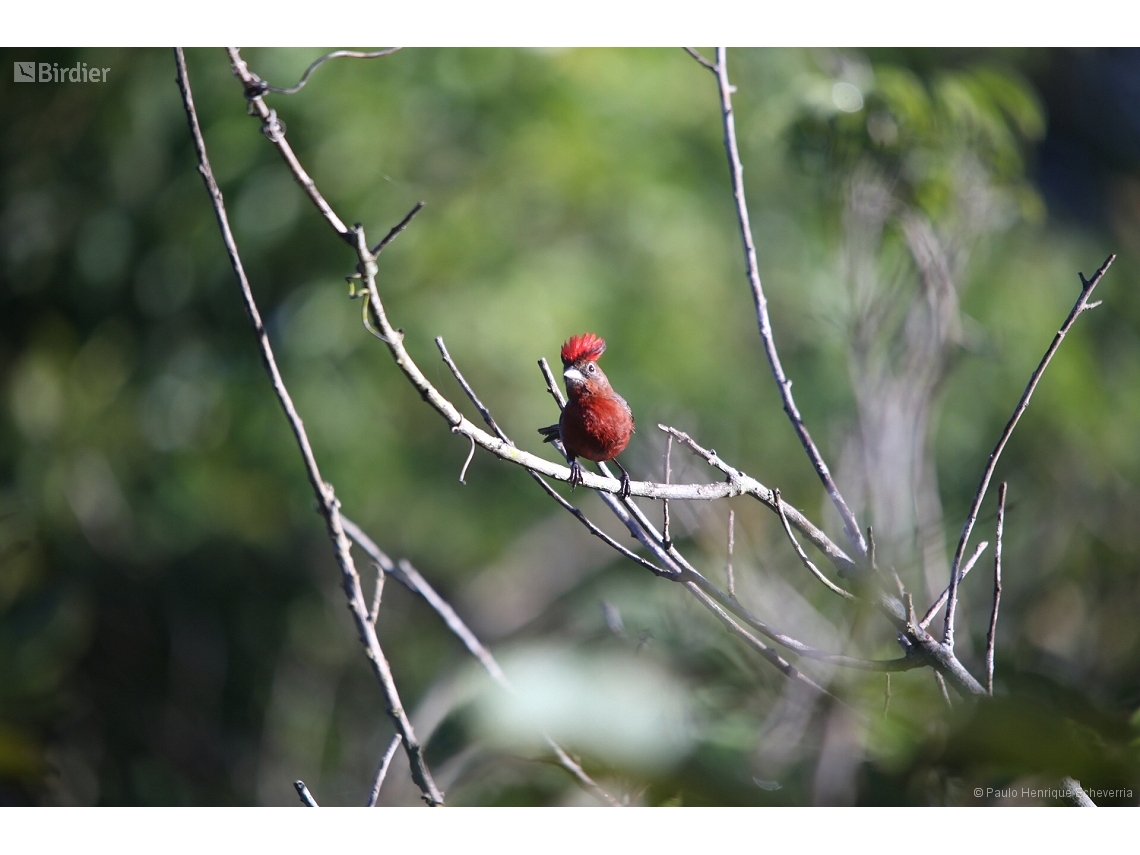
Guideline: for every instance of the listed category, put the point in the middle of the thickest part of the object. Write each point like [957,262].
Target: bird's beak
[572,375]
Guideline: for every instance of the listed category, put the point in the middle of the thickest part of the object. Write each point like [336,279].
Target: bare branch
[991,636]
[306,797]
[736,168]
[695,54]
[326,497]
[925,648]
[694,582]
[272,128]
[378,592]
[396,229]
[942,688]
[1075,793]
[552,384]
[382,771]
[408,576]
[575,769]
[666,538]
[755,643]
[479,405]
[1079,307]
[467,462]
[941,601]
[807,562]
[728,563]
[336,54]
[749,486]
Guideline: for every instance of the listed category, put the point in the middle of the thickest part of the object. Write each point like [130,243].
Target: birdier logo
[50,72]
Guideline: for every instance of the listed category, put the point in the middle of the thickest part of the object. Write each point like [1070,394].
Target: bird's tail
[551,433]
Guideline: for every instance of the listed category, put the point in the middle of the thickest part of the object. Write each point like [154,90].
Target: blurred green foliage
[171,626]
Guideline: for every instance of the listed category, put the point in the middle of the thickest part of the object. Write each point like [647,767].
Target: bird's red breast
[597,427]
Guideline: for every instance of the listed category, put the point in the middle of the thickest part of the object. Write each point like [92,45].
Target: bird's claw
[624,490]
[575,474]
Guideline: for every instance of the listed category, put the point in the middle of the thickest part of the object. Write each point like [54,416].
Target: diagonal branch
[1082,305]
[850,526]
[749,486]
[394,232]
[405,573]
[807,562]
[991,636]
[326,498]
[941,601]
[382,771]
[306,797]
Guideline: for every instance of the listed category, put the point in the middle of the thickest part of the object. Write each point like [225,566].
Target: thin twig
[736,168]
[396,229]
[694,581]
[728,563]
[695,54]
[336,54]
[326,497]
[378,592]
[408,576]
[755,643]
[666,535]
[807,562]
[887,698]
[552,384]
[925,647]
[479,405]
[306,797]
[991,636]
[1082,305]
[382,771]
[942,688]
[750,486]
[275,133]
[467,462]
[941,601]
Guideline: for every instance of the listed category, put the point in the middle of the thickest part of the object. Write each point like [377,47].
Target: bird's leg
[623,493]
[575,473]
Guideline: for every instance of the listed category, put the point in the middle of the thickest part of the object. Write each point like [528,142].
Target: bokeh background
[172,630]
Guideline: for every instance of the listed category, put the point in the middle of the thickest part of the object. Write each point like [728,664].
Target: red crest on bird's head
[585,346]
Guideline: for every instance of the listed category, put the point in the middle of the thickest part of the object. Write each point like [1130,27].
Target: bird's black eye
[591,368]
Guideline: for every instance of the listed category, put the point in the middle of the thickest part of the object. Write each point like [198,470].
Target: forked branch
[326,497]
[1082,305]
[736,170]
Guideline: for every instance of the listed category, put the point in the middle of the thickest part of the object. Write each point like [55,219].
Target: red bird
[596,422]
